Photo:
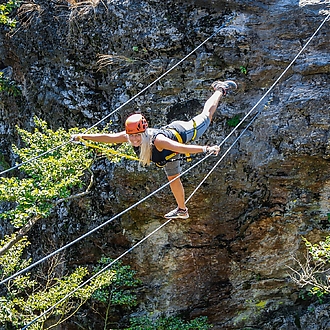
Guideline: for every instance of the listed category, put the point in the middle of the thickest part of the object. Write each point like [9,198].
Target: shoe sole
[177,217]
[231,83]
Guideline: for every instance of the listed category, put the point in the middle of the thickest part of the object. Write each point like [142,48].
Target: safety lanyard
[107,150]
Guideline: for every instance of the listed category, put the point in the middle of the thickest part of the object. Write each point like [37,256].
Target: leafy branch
[5,11]
[43,184]
[8,86]
[31,222]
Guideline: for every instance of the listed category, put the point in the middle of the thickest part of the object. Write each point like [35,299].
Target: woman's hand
[213,150]
[76,137]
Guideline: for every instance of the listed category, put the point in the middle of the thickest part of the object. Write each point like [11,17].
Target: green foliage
[5,11]
[43,183]
[233,122]
[168,323]
[11,262]
[25,301]
[120,292]
[320,251]
[50,177]
[137,49]
[243,69]
[8,86]
[318,292]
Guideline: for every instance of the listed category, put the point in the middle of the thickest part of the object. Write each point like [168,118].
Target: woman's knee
[172,177]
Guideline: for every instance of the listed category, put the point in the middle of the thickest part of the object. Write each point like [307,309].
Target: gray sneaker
[177,214]
[224,85]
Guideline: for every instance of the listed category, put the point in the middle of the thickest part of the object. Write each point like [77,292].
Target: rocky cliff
[76,62]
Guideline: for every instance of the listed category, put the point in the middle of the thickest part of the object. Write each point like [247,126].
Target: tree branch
[26,228]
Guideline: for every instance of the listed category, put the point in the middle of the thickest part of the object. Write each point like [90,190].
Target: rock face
[77,63]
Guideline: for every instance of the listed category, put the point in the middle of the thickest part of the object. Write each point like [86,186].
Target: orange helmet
[136,124]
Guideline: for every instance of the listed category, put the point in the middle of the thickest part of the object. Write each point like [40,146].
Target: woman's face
[135,139]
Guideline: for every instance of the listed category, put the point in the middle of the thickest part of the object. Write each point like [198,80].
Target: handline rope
[134,246]
[100,226]
[125,103]
[146,237]
[34,158]
[121,213]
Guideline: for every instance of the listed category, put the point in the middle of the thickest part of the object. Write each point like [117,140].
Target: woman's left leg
[173,170]
[196,127]
[177,190]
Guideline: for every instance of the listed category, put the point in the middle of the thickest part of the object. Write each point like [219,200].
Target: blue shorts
[187,130]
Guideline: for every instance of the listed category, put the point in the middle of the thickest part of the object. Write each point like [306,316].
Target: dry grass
[75,3]
[105,60]
[26,13]
[81,8]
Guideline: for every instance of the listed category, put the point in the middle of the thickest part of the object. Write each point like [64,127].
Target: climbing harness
[187,157]
[169,158]
[195,130]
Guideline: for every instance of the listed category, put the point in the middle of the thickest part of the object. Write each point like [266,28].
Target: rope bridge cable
[128,101]
[34,158]
[256,105]
[97,274]
[145,238]
[100,226]
[134,205]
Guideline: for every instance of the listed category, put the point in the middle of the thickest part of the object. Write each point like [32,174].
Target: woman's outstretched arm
[105,138]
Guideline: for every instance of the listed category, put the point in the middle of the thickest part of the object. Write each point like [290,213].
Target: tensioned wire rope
[124,104]
[208,174]
[141,241]
[132,206]
[96,124]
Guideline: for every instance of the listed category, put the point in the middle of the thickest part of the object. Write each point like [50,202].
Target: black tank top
[160,157]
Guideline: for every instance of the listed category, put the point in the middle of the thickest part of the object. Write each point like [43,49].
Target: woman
[164,146]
